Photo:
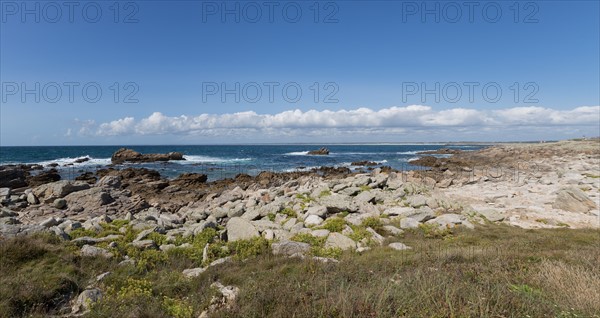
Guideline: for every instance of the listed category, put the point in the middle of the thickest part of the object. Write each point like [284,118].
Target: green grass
[374,223]
[492,271]
[334,224]
[324,193]
[304,198]
[317,245]
[289,212]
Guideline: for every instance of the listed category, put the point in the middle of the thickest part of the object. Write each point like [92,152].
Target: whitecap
[191,159]
[68,161]
[414,152]
[297,153]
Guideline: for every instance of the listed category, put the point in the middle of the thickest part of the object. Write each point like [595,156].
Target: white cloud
[536,115]
[117,127]
[393,120]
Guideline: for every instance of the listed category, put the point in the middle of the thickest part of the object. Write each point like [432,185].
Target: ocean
[225,161]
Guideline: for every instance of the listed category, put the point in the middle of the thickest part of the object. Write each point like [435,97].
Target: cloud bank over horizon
[315,123]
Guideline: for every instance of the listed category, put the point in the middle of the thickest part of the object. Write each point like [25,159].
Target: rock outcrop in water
[319,152]
[129,155]
[441,151]
[13,177]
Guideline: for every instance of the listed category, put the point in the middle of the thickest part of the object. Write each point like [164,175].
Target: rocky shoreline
[530,186]
[316,214]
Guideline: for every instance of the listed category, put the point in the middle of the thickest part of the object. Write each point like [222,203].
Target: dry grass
[493,271]
[581,286]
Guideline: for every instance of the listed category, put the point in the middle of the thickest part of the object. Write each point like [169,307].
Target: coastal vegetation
[492,271]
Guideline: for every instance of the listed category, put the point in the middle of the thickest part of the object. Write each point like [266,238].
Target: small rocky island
[129,155]
[319,152]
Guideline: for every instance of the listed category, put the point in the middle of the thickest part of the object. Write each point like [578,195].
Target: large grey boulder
[109,182]
[60,203]
[361,180]
[399,211]
[32,199]
[351,191]
[49,192]
[313,220]
[89,199]
[263,225]
[229,196]
[85,300]
[320,233]
[421,214]
[573,199]
[6,212]
[143,234]
[86,240]
[145,244]
[194,272]
[491,215]
[92,251]
[4,193]
[289,248]
[317,210]
[392,230]
[251,214]
[240,229]
[50,222]
[398,246]
[417,201]
[376,237]
[338,203]
[365,197]
[409,223]
[234,210]
[450,220]
[338,240]
[394,182]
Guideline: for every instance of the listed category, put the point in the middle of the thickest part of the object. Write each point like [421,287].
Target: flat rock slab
[240,229]
[193,272]
[289,248]
[92,251]
[145,244]
[574,200]
[399,246]
[337,240]
[492,215]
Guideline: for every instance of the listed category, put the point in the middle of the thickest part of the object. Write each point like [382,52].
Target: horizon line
[374,143]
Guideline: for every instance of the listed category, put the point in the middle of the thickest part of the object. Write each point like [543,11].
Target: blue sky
[370,59]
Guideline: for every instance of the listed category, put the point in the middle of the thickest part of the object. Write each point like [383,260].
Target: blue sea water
[223,161]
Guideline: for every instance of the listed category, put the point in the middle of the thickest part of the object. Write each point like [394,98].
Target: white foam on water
[301,169]
[297,153]
[360,153]
[414,152]
[68,161]
[191,159]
